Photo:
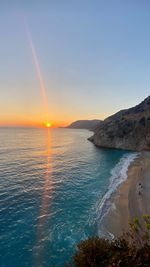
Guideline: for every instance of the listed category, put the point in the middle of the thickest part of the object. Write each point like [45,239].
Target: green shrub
[130,250]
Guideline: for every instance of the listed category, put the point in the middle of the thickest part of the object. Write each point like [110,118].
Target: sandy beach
[132,198]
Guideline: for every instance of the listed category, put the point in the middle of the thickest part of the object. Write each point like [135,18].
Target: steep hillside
[127,129]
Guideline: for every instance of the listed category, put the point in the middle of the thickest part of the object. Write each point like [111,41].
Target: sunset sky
[94,58]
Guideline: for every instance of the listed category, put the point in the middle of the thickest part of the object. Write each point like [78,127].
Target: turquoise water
[52,182]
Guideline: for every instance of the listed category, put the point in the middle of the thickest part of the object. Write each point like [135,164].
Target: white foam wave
[118,176]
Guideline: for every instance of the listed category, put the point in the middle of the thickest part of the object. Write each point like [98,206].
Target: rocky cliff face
[127,129]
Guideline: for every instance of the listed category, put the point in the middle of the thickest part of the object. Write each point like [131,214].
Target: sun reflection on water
[39,248]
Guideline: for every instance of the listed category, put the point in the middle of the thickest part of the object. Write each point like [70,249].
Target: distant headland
[84,124]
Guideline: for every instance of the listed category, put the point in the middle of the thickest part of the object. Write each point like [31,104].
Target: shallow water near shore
[52,182]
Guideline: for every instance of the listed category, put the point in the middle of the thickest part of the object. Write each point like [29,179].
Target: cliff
[127,129]
[84,124]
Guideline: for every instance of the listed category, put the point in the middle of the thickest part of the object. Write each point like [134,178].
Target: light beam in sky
[39,248]
[37,68]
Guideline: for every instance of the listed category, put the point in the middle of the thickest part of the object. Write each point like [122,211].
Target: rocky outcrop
[84,124]
[127,129]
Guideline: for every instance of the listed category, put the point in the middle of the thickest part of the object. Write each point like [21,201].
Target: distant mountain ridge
[127,129]
[84,124]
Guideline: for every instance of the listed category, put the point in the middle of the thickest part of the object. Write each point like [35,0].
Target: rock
[127,129]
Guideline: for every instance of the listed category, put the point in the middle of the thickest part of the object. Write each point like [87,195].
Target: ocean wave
[118,176]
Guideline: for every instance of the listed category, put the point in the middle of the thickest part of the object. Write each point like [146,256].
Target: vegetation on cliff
[130,250]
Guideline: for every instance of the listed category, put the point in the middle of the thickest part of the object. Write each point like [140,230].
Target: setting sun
[48,125]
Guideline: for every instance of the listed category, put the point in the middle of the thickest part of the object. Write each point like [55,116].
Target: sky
[94,58]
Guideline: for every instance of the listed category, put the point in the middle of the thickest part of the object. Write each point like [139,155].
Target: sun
[48,125]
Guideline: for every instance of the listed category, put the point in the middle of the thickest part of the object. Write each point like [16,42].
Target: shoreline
[132,198]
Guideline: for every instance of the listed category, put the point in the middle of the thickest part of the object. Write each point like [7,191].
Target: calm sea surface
[52,182]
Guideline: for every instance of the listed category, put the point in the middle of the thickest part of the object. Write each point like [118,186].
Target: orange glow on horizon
[17,122]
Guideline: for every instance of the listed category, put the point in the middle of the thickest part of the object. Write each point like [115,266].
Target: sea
[55,188]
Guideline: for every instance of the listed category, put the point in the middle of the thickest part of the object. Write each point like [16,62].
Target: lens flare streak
[37,67]
[46,198]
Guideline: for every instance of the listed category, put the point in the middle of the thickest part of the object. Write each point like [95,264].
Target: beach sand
[132,198]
